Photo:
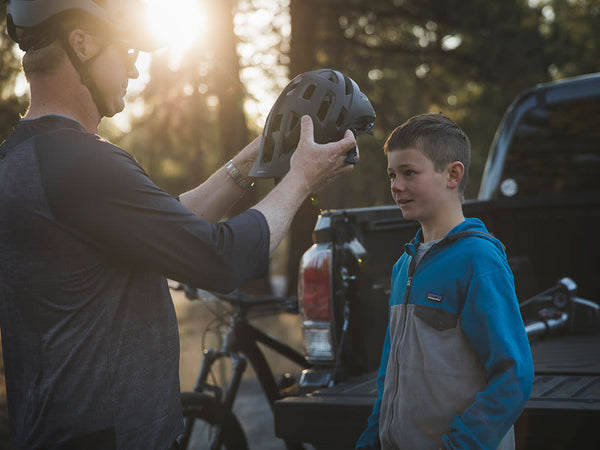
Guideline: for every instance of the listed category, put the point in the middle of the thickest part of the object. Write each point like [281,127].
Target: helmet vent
[341,117]
[276,123]
[325,104]
[332,77]
[293,121]
[291,135]
[348,85]
[308,93]
[290,89]
[268,148]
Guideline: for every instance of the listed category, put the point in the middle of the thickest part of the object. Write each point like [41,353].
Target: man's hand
[319,164]
[244,160]
[312,167]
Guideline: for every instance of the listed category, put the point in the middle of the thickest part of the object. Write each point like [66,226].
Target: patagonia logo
[434,297]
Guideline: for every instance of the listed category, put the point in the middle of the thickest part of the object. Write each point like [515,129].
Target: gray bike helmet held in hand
[333,101]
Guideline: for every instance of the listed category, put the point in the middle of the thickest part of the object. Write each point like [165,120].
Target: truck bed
[564,407]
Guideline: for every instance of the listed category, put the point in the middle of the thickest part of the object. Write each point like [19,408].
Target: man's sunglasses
[129,55]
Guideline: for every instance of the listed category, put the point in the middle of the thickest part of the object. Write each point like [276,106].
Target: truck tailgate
[563,411]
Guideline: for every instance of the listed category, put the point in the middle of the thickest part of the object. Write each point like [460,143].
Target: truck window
[555,150]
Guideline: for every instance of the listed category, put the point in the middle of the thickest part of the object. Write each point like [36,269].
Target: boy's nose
[397,185]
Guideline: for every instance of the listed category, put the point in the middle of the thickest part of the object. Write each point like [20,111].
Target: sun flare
[177,23]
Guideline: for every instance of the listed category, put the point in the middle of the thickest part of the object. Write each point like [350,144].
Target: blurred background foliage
[466,58]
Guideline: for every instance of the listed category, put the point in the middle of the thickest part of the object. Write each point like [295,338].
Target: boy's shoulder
[481,258]
[472,227]
[471,241]
[477,241]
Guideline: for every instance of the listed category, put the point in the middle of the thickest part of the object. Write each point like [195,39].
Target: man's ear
[456,172]
[83,44]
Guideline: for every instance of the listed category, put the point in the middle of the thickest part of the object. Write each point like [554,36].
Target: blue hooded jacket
[456,368]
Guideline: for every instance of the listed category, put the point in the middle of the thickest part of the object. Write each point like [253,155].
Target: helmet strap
[82,68]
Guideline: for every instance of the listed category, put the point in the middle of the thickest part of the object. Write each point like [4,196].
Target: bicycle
[207,410]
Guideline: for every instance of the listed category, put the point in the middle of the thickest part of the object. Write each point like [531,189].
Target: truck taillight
[314,294]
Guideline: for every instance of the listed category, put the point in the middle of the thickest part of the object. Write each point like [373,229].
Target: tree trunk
[302,59]
[233,129]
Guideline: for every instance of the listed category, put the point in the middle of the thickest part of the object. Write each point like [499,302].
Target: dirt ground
[252,409]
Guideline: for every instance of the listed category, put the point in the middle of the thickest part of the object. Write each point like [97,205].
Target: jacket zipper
[412,267]
[411,273]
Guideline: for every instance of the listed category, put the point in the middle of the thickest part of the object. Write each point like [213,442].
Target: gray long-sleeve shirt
[89,331]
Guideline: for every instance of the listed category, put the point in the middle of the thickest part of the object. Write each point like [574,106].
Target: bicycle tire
[208,425]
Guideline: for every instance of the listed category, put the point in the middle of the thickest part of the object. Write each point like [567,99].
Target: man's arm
[213,198]
[106,198]
[108,201]
[312,167]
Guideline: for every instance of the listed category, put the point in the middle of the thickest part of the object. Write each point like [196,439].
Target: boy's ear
[456,172]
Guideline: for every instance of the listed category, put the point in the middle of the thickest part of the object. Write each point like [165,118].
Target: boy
[456,367]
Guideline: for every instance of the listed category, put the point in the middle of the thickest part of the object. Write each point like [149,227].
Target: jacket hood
[469,227]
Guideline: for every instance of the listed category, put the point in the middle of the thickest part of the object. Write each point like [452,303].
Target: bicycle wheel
[208,425]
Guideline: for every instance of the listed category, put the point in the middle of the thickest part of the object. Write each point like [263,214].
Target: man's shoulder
[67,151]
[72,161]
[76,143]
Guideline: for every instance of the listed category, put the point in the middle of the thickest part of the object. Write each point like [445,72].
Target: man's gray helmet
[330,98]
[35,24]
[124,19]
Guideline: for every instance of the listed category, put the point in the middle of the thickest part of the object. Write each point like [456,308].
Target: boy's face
[421,193]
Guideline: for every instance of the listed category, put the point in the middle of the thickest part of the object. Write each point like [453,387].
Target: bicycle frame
[241,344]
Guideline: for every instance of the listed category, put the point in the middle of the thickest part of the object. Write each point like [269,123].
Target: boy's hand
[319,164]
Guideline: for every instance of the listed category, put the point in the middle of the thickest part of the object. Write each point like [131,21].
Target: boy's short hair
[437,137]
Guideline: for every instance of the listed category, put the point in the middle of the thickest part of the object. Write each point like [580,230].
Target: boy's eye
[391,176]
[409,172]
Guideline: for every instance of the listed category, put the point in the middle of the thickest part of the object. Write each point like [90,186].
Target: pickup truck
[540,195]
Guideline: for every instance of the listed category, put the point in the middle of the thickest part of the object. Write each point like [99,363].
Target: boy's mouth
[403,202]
